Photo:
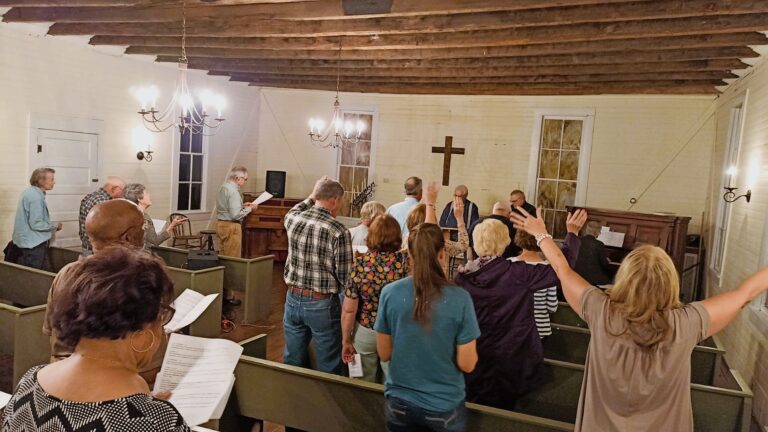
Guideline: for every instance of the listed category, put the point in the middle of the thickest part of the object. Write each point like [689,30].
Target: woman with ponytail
[638,371]
[426,327]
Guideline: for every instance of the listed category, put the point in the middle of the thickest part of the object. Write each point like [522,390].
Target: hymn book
[265,196]
[189,306]
[199,372]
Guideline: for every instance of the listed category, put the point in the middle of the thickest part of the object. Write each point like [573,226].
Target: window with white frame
[191,178]
[355,162]
[731,159]
[559,165]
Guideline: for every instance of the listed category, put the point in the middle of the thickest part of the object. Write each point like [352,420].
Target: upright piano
[264,230]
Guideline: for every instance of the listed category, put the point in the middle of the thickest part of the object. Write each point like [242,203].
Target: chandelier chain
[183,31]
[338,69]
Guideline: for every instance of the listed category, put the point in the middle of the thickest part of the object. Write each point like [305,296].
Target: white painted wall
[65,76]
[746,339]
[634,138]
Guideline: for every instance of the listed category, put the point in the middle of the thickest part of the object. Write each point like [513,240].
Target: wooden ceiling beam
[398,68]
[569,59]
[104,11]
[115,3]
[518,36]
[708,76]
[511,49]
[644,87]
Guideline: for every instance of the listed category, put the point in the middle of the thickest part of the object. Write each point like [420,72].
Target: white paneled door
[75,157]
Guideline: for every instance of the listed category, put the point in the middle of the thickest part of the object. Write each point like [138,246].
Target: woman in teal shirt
[427,329]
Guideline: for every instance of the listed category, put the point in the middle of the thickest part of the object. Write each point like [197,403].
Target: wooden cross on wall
[447,151]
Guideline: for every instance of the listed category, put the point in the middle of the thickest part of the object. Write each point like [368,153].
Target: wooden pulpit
[264,230]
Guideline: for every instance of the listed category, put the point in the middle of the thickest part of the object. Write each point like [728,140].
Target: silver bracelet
[540,238]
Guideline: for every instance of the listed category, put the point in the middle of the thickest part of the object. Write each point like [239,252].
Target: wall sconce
[730,196]
[144,155]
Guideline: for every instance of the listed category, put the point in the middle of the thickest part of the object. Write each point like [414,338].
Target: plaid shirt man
[319,249]
[89,202]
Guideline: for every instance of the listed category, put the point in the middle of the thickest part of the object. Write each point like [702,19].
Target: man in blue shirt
[412,197]
[33,228]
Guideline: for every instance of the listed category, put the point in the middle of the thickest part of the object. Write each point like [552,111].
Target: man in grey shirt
[230,211]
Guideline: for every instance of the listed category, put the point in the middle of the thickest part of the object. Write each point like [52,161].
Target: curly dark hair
[110,294]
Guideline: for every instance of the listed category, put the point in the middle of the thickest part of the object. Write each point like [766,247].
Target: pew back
[252,276]
[570,344]
[59,257]
[24,285]
[714,409]
[207,281]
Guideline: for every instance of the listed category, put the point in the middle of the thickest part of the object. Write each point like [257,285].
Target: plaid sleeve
[344,255]
[299,208]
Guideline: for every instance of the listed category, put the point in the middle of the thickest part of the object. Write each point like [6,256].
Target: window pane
[549,220]
[559,230]
[547,194]
[197,191]
[548,164]
[345,204]
[572,135]
[551,134]
[569,165]
[184,143]
[361,179]
[566,194]
[183,197]
[348,154]
[197,143]
[354,212]
[363,153]
[346,177]
[184,168]
[367,120]
[197,168]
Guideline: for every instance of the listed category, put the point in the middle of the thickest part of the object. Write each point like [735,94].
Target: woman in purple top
[509,350]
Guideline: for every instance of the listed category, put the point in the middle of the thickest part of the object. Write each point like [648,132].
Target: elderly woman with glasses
[138,194]
[112,309]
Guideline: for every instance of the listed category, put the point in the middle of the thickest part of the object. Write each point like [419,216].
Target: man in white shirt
[412,197]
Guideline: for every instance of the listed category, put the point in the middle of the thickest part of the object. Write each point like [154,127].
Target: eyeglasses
[166,314]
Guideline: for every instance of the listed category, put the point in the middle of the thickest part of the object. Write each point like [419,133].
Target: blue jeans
[307,318]
[403,416]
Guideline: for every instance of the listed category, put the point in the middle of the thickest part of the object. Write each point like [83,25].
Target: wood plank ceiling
[498,47]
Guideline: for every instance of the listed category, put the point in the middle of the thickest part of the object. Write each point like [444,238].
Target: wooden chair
[182,234]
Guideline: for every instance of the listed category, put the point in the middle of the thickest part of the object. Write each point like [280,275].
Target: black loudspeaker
[276,183]
[199,259]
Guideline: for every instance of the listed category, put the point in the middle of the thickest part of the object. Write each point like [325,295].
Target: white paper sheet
[189,306]
[201,429]
[355,367]
[4,399]
[159,225]
[199,373]
[360,249]
[219,411]
[263,197]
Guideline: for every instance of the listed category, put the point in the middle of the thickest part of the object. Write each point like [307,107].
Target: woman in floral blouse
[370,273]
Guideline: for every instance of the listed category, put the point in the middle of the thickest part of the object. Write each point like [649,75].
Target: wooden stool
[208,238]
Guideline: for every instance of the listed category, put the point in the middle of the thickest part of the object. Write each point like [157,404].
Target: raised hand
[574,221]
[533,225]
[458,209]
[430,197]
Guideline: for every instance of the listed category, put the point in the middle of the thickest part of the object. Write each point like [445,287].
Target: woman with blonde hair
[638,370]
[368,212]
[502,290]
[427,329]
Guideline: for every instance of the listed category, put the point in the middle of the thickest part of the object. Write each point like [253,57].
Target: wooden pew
[21,328]
[333,403]
[251,276]
[317,401]
[59,257]
[570,344]
[207,281]
[715,409]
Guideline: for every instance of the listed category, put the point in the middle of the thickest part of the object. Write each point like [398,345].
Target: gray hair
[412,186]
[134,192]
[501,208]
[329,189]
[593,228]
[237,172]
[371,209]
[114,181]
[40,174]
